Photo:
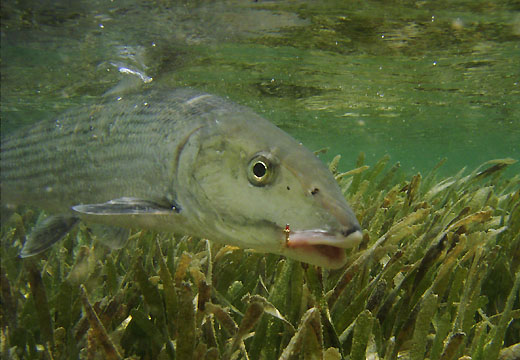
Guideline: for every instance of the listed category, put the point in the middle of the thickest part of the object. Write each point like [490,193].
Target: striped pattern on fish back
[123,147]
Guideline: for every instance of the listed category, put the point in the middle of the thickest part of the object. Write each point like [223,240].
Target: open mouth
[323,243]
[332,253]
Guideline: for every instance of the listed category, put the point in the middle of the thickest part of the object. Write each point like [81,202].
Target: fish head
[254,186]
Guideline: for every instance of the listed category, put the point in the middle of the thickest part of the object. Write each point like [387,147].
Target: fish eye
[260,170]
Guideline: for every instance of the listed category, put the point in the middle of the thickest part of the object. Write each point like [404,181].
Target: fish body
[181,161]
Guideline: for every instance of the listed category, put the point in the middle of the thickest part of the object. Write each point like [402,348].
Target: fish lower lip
[324,238]
[335,256]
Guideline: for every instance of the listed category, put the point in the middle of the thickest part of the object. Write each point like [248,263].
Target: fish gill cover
[437,276]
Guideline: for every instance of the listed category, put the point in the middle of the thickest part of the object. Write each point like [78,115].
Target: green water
[418,80]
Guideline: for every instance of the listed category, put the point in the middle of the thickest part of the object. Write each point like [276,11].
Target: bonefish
[180,161]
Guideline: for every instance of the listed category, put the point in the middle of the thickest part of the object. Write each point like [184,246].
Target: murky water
[418,80]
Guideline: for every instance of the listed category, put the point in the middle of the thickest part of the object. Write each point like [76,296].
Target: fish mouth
[326,248]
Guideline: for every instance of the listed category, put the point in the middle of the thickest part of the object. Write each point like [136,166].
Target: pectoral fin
[46,233]
[127,206]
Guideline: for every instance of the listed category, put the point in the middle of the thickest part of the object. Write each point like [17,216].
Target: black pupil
[259,169]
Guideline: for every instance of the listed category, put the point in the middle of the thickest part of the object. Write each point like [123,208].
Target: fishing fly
[287,232]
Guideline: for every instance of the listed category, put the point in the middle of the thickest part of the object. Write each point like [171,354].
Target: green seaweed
[436,276]
[362,333]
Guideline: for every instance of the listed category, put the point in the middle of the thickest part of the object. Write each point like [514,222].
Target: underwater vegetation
[437,276]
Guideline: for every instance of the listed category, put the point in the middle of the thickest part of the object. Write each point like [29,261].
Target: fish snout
[350,231]
[347,225]
[351,236]
[342,220]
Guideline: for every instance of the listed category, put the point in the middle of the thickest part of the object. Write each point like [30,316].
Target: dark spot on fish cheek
[315,191]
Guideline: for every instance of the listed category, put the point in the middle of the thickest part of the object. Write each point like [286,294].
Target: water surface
[418,80]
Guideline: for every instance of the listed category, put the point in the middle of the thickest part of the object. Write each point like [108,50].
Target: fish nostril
[315,191]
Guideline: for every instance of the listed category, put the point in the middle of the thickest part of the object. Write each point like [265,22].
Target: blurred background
[417,80]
